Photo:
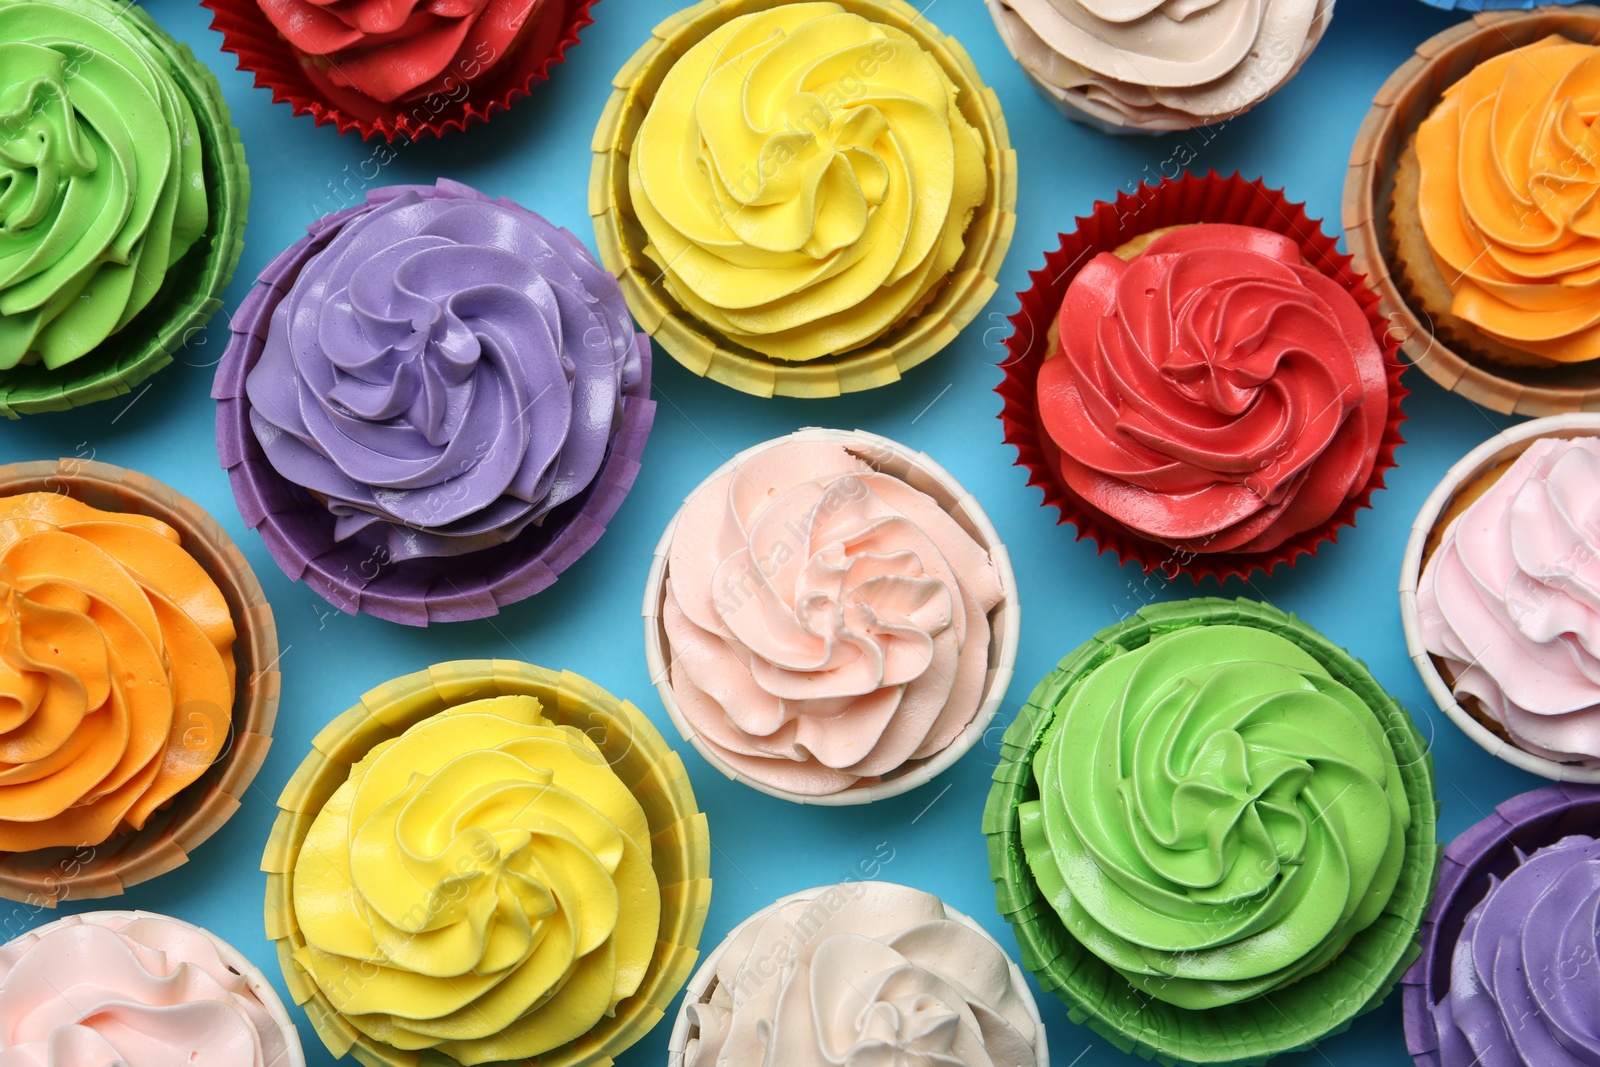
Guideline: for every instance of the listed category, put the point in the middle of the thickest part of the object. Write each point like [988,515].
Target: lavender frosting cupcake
[432,404]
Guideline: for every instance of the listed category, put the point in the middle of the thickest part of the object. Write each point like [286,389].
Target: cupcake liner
[1005,621]
[1488,850]
[192,291]
[238,961]
[704,982]
[262,51]
[1190,199]
[1400,107]
[1503,446]
[705,352]
[1494,5]
[635,750]
[47,877]
[356,576]
[1077,106]
[1317,1006]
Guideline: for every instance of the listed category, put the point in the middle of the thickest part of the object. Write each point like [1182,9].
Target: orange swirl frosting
[1509,171]
[116,671]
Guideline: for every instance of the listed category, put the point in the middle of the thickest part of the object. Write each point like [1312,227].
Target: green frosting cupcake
[1214,834]
[122,189]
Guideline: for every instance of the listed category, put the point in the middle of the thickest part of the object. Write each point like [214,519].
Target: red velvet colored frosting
[1214,393]
[402,49]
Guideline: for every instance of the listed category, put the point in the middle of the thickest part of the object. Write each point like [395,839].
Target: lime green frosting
[1217,815]
[101,190]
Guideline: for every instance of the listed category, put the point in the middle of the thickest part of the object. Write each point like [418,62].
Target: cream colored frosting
[862,973]
[1161,64]
[109,989]
[827,622]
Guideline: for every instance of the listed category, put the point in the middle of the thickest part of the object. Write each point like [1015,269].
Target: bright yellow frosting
[481,885]
[805,179]
[1507,197]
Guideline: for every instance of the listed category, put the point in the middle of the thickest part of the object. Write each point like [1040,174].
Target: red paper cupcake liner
[1187,200]
[261,50]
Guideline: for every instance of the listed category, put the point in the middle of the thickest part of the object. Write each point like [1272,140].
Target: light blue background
[589,622]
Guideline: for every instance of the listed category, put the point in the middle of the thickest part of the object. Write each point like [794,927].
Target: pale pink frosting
[1511,600]
[107,990]
[826,622]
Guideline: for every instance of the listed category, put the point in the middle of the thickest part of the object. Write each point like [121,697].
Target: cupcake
[1199,383]
[1212,832]
[137,658]
[1486,281]
[398,71]
[134,987]
[831,618]
[432,404]
[1500,595]
[855,973]
[1509,956]
[487,862]
[1160,65]
[776,224]
[125,203]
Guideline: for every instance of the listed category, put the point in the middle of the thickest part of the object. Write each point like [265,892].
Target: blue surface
[589,622]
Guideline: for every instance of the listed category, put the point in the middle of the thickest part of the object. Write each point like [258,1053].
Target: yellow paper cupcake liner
[702,350]
[636,751]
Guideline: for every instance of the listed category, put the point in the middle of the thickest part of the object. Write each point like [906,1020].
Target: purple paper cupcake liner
[1486,850]
[355,575]
[1497,5]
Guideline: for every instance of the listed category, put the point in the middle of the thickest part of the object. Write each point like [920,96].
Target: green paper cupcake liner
[1289,1019]
[192,290]
[635,749]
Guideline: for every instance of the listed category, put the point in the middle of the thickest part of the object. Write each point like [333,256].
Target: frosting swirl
[1525,972]
[116,671]
[1214,394]
[100,178]
[1217,817]
[1513,233]
[1510,600]
[445,372]
[863,973]
[105,989]
[480,885]
[1161,64]
[805,179]
[398,50]
[828,622]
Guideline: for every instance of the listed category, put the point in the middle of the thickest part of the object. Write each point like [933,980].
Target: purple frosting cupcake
[432,404]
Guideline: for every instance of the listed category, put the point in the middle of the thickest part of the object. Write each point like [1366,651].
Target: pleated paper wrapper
[1406,99]
[47,877]
[192,290]
[681,843]
[355,575]
[1298,1015]
[1187,200]
[704,351]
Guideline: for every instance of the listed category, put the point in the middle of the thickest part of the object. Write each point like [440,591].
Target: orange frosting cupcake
[116,671]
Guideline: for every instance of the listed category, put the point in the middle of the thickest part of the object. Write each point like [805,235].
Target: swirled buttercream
[116,671]
[1510,600]
[444,373]
[106,989]
[862,973]
[1214,393]
[101,190]
[480,885]
[805,178]
[1217,817]
[396,50]
[827,621]
[1161,64]
[1508,176]
[1525,972]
